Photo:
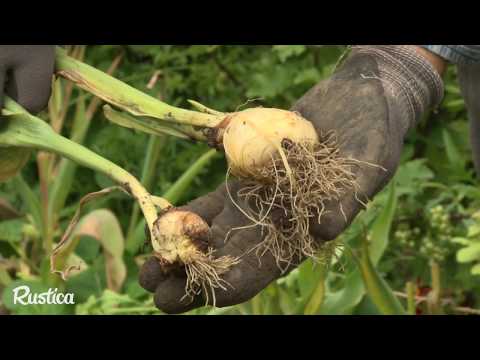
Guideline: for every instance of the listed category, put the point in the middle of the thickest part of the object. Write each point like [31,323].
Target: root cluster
[181,241]
[285,207]
[203,274]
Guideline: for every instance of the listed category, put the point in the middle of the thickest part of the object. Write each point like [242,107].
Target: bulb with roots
[289,172]
[252,137]
[181,240]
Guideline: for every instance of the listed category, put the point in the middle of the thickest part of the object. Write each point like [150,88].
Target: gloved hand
[26,74]
[371,101]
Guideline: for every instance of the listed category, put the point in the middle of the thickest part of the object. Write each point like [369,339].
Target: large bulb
[253,136]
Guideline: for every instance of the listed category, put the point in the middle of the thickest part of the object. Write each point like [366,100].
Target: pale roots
[285,206]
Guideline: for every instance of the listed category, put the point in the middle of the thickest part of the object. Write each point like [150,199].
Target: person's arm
[456,54]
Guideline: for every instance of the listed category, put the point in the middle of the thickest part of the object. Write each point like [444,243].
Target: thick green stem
[318,295]
[67,168]
[117,93]
[434,298]
[411,306]
[81,124]
[25,130]
[155,144]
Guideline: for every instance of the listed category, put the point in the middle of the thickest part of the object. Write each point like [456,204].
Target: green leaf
[317,297]
[149,126]
[309,76]
[286,51]
[11,230]
[7,211]
[30,199]
[5,278]
[473,230]
[455,158]
[377,288]
[411,176]
[461,241]
[343,301]
[103,226]
[475,270]
[468,254]
[88,282]
[455,105]
[381,227]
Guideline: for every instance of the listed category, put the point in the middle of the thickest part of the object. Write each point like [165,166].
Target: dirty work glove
[26,74]
[371,101]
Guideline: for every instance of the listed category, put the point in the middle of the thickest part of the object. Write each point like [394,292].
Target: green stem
[117,93]
[25,130]
[81,124]
[434,298]
[257,305]
[411,307]
[176,191]
[67,168]
[43,164]
[155,145]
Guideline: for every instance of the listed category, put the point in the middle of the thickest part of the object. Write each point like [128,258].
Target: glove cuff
[408,76]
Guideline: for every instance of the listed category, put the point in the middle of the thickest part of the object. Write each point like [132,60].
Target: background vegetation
[415,250]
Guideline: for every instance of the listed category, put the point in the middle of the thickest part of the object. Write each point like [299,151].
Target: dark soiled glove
[371,101]
[26,74]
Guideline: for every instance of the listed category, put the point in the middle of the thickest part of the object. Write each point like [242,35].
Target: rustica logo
[23,295]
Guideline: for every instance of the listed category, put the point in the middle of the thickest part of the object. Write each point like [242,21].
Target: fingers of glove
[170,296]
[169,289]
[251,275]
[151,275]
[30,81]
[339,214]
[236,235]
[245,279]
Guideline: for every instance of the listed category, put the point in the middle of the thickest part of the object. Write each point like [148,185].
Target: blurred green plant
[470,244]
